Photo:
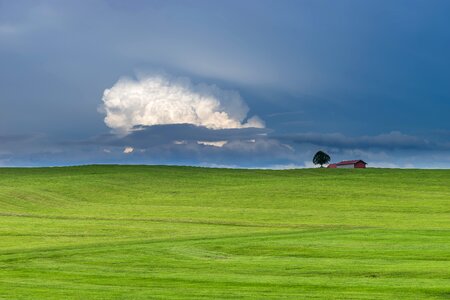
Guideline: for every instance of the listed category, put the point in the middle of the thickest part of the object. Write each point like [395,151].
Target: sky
[249,84]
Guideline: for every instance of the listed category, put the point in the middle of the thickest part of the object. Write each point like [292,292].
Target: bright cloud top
[159,100]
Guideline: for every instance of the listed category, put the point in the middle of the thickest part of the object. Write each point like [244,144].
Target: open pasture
[154,232]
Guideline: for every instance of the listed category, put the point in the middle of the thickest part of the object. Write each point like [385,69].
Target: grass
[141,232]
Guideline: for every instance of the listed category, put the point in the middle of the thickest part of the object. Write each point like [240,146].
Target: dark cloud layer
[391,141]
[251,147]
[149,136]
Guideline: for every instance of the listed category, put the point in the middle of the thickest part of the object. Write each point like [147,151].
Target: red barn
[349,164]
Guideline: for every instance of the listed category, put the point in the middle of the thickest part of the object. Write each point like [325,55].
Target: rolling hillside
[154,232]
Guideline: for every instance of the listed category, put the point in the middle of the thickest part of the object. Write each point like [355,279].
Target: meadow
[159,232]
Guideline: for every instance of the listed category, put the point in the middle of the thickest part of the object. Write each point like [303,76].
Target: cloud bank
[388,141]
[160,100]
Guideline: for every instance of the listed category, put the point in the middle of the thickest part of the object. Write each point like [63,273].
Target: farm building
[349,164]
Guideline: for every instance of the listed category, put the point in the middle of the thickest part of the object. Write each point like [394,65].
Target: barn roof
[350,162]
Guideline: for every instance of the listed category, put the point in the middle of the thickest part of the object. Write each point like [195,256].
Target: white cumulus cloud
[128,150]
[160,100]
[213,144]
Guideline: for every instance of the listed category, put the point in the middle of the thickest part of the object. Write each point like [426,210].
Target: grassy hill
[114,232]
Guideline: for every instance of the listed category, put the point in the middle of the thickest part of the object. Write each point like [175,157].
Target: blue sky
[224,83]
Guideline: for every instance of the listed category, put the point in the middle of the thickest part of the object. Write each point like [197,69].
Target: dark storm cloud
[149,136]
[189,144]
[391,141]
[164,144]
[193,145]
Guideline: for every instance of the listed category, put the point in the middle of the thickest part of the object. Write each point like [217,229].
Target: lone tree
[321,158]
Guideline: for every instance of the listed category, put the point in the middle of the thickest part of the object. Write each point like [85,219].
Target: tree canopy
[321,158]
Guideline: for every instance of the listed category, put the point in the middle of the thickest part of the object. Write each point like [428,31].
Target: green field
[151,232]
